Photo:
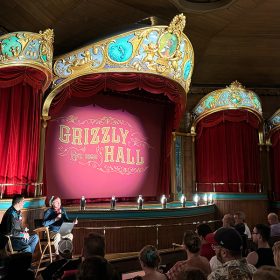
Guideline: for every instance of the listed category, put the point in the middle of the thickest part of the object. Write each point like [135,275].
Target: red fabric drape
[227,152]
[89,85]
[275,164]
[20,104]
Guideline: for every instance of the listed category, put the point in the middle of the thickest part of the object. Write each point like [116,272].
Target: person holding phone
[54,217]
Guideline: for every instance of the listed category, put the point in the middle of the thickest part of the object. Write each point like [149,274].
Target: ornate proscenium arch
[164,51]
[273,124]
[28,49]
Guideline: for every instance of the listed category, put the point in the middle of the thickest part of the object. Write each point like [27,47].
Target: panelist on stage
[54,217]
[12,225]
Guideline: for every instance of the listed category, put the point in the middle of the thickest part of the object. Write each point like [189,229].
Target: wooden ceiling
[240,41]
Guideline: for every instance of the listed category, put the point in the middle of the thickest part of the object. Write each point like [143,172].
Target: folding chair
[10,245]
[45,243]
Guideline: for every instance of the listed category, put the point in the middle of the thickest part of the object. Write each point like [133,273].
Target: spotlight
[195,199]
[140,201]
[205,198]
[183,200]
[210,198]
[163,201]
[113,203]
[83,203]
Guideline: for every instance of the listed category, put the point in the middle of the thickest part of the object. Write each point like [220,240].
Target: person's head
[239,217]
[276,253]
[192,242]
[65,248]
[56,203]
[229,244]
[228,220]
[94,244]
[272,218]
[95,268]
[202,230]
[149,257]
[192,274]
[18,201]
[261,233]
[267,272]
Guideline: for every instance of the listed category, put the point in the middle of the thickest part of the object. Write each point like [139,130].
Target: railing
[153,228]
[37,192]
[213,186]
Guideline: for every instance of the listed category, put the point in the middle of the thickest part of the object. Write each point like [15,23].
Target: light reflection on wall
[99,151]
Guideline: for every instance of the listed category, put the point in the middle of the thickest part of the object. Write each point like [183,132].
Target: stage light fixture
[83,203]
[196,199]
[113,203]
[183,200]
[210,198]
[205,198]
[140,201]
[163,201]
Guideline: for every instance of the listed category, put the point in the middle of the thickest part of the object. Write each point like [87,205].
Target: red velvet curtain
[20,105]
[275,164]
[227,153]
[87,86]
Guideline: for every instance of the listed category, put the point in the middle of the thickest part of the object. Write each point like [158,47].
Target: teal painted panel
[28,204]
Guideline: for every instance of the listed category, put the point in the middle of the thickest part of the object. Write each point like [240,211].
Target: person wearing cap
[192,246]
[264,254]
[54,218]
[228,251]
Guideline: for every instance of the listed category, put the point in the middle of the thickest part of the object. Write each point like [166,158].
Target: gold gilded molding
[159,50]
[28,49]
[234,97]
[272,125]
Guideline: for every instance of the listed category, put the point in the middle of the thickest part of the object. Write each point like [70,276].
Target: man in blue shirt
[12,225]
[53,218]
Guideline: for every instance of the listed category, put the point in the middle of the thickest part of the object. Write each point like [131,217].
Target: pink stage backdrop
[103,150]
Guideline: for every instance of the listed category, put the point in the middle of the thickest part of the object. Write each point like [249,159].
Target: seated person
[192,246]
[55,269]
[241,229]
[12,225]
[274,224]
[263,255]
[206,249]
[149,259]
[267,272]
[239,218]
[53,218]
[96,268]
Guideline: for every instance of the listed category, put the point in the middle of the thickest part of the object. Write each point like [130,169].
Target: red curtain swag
[275,164]
[87,86]
[227,152]
[20,105]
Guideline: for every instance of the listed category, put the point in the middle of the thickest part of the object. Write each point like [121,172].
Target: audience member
[214,262]
[192,246]
[239,218]
[12,225]
[192,274]
[241,229]
[53,218]
[267,272]
[149,259]
[228,221]
[206,249]
[95,268]
[274,224]
[276,253]
[263,255]
[228,251]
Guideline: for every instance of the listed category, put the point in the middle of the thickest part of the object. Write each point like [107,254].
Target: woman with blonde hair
[276,253]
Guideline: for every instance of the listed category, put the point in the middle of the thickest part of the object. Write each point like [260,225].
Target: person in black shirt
[12,225]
